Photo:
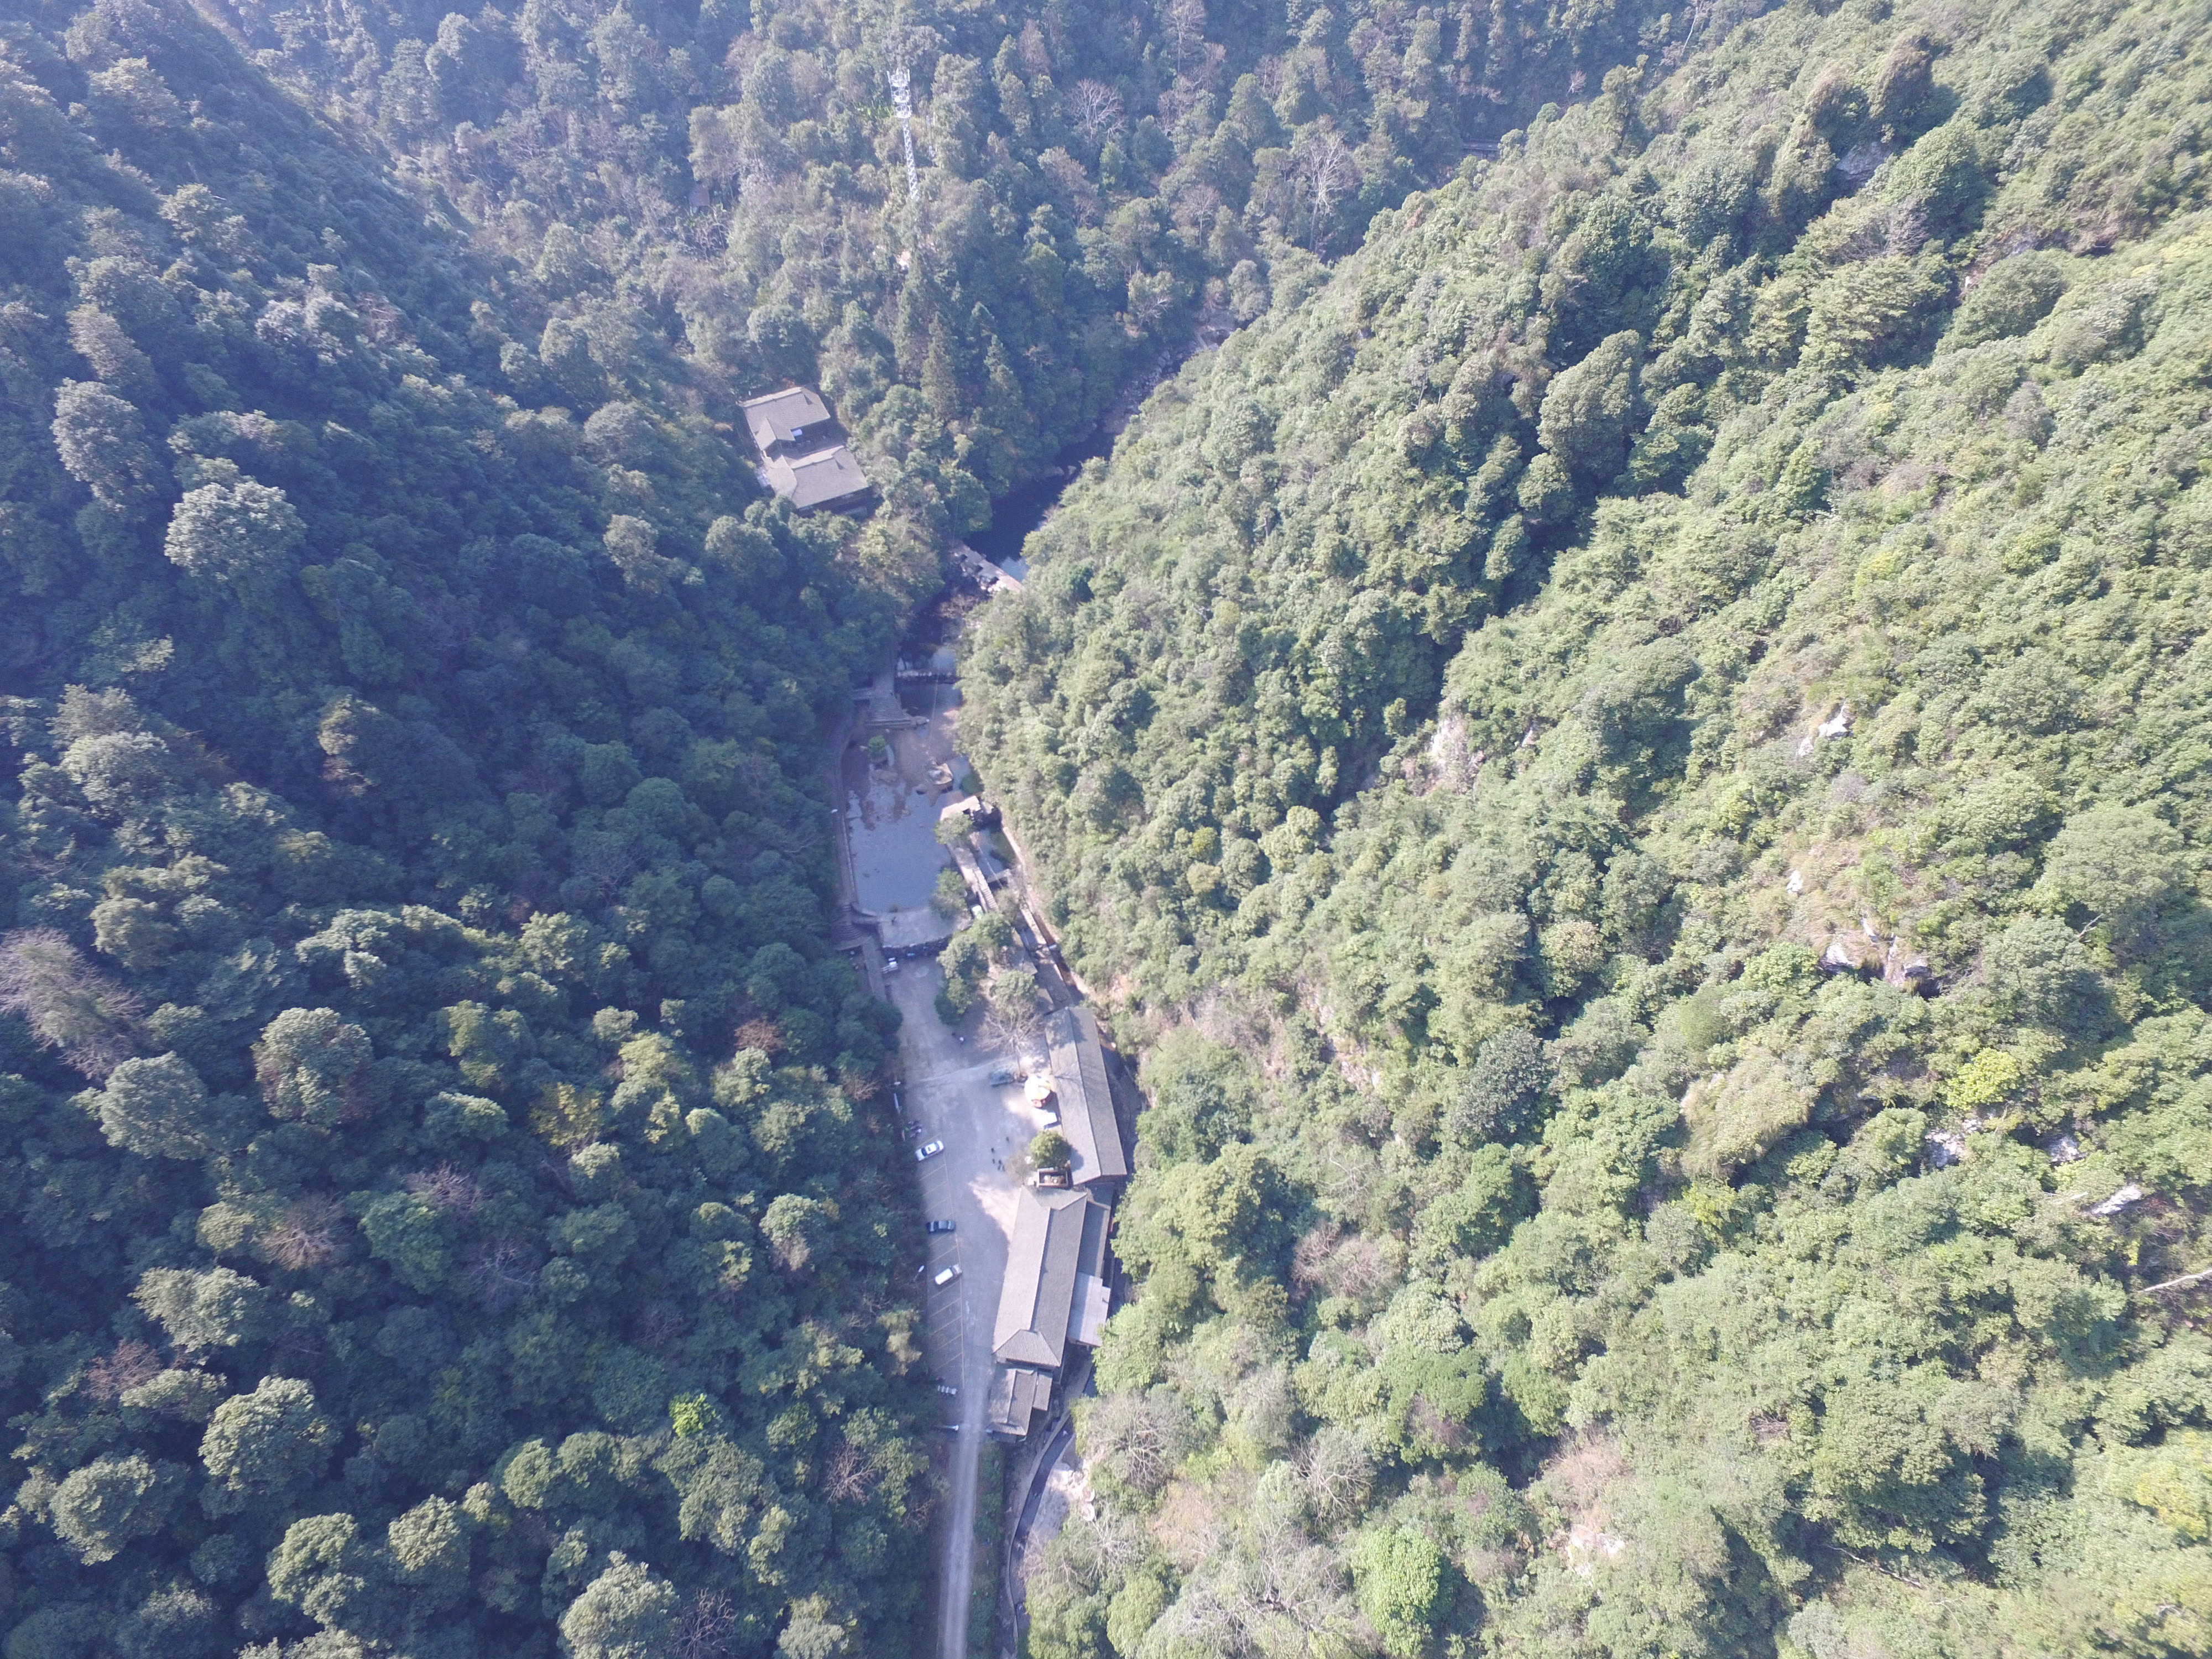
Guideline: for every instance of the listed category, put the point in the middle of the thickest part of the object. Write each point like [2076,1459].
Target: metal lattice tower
[902,99]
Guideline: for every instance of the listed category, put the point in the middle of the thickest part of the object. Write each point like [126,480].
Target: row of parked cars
[923,1154]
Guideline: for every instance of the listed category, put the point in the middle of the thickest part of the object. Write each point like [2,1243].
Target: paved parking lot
[948,1092]
[890,857]
[946,1089]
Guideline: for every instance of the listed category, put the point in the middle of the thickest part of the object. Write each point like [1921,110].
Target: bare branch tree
[67,1005]
[305,1236]
[113,1374]
[1185,21]
[1338,1472]
[705,1631]
[1095,109]
[502,1273]
[1309,1261]
[1012,1017]
[447,1188]
[659,1323]
[850,1474]
[1325,165]
[1140,1437]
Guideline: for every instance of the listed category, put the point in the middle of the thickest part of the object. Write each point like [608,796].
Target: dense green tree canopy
[1629,745]
[1635,757]
[724,188]
[416,788]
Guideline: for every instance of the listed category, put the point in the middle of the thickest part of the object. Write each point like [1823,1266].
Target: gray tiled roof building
[1058,1255]
[1085,1098]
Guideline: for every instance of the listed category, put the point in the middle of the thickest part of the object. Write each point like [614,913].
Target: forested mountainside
[1095,175]
[1639,760]
[417,788]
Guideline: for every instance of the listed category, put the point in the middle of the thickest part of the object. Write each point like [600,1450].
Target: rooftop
[1086,1101]
[1094,1300]
[827,475]
[1017,1396]
[781,417]
[913,930]
[1060,1241]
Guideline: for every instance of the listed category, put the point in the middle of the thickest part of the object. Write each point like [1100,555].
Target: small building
[1085,1097]
[1056,1295]
[816,480]
[803,456]
[1017,1394]
[783,418]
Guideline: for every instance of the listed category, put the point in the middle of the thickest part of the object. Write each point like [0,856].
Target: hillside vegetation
[1638,758]
[417,788]
[725,183]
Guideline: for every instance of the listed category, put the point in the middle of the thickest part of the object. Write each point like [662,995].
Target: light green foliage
[322,1568]
[310,1063]
[2122,865]
[242,534]
[178,1619]
[1637,751]
[159,1108]
[104,1505]
[2173,1482]
[429,1547]
[259,1443]
[1587,408]
[625,1613]
[216,1308]
[1985,1080]
[1400,1577]
[1734,1117]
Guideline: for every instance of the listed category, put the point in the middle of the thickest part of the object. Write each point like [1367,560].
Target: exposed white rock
[2118,1201]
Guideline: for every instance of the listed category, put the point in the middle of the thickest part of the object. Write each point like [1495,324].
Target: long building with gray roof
[1085,1098]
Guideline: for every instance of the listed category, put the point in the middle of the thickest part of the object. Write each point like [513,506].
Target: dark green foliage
[1634,759]
[415,746]
[724,192]
[1499,1091]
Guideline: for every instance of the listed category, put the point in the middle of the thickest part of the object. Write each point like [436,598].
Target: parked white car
[944,1276]
[927,1150]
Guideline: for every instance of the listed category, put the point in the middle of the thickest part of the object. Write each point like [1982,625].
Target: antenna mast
[902,99]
